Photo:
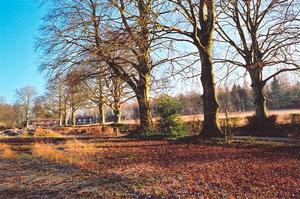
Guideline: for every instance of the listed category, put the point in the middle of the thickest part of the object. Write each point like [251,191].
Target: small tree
[170,123]
[25,96]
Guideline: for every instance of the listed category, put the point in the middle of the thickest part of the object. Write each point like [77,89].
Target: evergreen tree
[235,98]
[275,94]
[246,97]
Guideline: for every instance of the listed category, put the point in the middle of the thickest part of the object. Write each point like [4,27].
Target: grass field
[127,168]
[189,118]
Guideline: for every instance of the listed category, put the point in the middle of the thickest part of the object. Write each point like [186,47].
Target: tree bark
[66,120]
[203,39]
[210,103]
[101,118]
[27,118]
[143,98]
[60,104]
[117,107]
[60,116]
[117,118]
[65,114]
[257,85]
[73,117]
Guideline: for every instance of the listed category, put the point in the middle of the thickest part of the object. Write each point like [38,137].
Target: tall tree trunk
[259,98]
[66,120]
[143,98]
[210,103]
[117,93]
[101,118]
[65,114]
[203,39]
[117,118]
[26,122]
[60,103]
[117,110]
[73,117]
[60,113]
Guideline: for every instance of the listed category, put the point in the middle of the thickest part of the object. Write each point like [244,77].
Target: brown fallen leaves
[121,168]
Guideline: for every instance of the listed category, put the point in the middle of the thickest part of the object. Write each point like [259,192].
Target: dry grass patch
[80,153]
[99,131]
[48,152]
[79,148]
[7,152]
[40,132]
[72,152]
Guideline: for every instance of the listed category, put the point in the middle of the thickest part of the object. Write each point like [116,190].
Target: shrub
[194,127]
[254,123]
[107,130]
[231,122]
[295,118]
[170,123]
[100,131]
[2,127]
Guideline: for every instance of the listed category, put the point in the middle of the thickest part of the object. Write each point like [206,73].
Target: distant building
[81,120]
[45,122]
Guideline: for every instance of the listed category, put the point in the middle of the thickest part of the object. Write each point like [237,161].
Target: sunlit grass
[40,132]
[71,152]
[7,152]
[78,147]
[48,152]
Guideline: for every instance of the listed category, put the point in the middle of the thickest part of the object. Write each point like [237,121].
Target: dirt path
[270,139]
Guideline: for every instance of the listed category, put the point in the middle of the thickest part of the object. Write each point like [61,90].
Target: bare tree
[95,82]
[262,36]
[76,94]
[194,22]
[137,41]
[8,114]
[68,44]
[38,110]
[116,34]
[25,96]
[55,99]
[118,93]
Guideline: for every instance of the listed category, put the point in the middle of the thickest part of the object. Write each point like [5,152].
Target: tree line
[279,95]
[31,107]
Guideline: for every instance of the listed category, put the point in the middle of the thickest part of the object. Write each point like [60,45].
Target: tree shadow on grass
[44,179]
[173,154]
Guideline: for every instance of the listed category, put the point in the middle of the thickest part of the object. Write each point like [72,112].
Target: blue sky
[19,22]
